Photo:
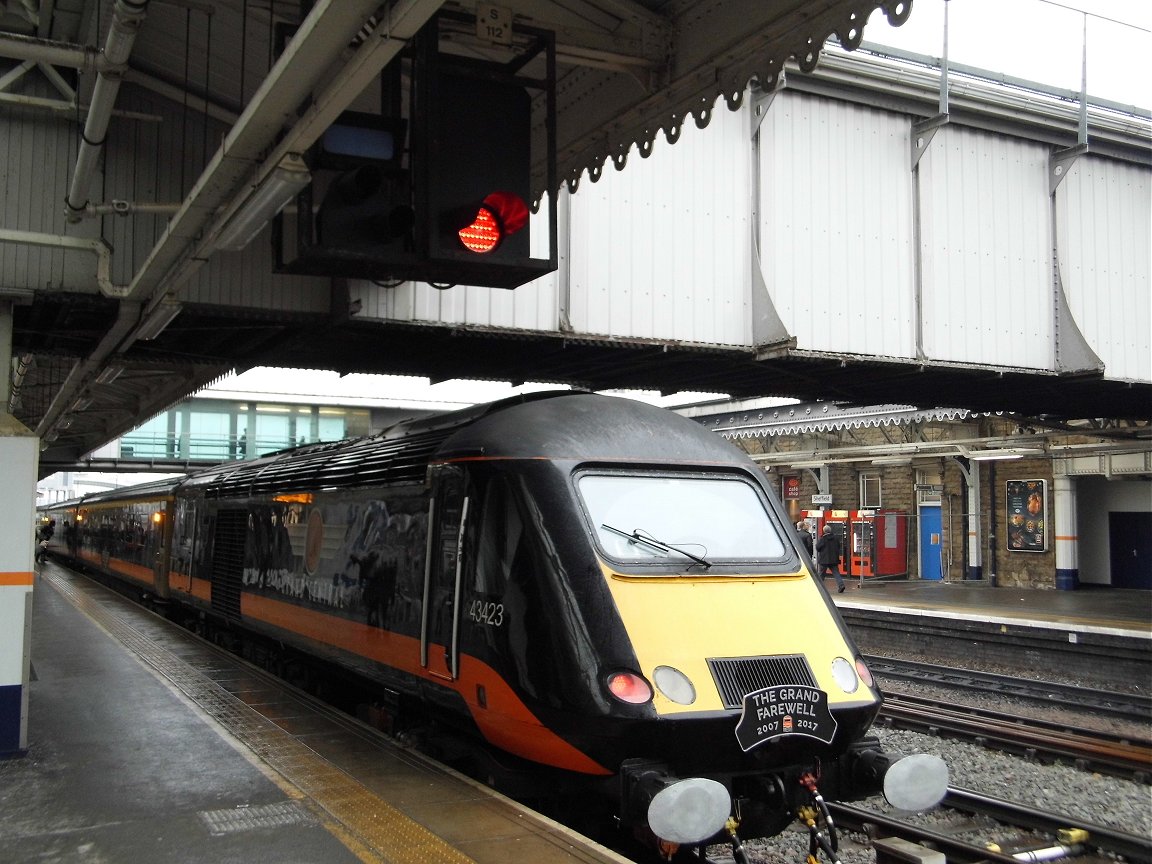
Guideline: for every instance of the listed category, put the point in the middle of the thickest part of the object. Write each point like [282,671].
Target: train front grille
[737,676]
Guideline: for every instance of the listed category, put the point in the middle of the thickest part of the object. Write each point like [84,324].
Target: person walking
[828,557]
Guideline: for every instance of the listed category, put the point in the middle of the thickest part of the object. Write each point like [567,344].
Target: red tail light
[629,688]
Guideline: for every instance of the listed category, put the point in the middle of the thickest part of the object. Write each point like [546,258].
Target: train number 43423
[486,612]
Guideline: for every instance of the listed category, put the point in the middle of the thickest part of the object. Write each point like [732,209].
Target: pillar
[1067,541]
[971,472]
[19,456]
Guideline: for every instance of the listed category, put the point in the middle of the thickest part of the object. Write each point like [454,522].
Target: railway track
[974,845]
[1132,707]
[1103,752]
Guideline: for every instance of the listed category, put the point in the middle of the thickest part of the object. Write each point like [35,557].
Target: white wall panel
[836,225]
[987,249]
[661,249]
[1104,237]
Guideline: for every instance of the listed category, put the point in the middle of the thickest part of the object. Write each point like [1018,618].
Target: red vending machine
[879,543]
[872,542]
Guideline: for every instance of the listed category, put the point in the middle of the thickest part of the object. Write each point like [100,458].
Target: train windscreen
[659,518]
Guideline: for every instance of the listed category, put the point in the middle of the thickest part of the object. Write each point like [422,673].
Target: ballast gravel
[1083,796]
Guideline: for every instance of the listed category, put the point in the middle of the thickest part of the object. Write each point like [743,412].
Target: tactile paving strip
[375,825]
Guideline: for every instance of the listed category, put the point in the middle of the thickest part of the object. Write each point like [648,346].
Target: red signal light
[501,215]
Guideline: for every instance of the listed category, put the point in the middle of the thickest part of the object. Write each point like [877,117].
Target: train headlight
[844,674]
[689,811]
[629,687]
[674,684]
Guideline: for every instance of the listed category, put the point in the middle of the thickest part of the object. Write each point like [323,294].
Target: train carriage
[587,584]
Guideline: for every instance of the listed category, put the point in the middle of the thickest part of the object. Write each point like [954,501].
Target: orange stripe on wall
[17,578]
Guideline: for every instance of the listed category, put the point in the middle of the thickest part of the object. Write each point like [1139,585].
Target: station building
[950,495]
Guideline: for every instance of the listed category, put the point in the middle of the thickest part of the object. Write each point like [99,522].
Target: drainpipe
[127,16]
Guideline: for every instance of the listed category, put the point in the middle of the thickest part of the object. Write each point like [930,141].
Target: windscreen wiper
[637,537]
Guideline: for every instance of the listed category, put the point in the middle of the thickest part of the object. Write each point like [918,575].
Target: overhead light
[158,319]
[81,404]
[1005,453]
[809,464]
[271,196]
[64,422]
[892,460]
[109,374]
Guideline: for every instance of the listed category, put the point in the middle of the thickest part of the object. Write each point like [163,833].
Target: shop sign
[791,488]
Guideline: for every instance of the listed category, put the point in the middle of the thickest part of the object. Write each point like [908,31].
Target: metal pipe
[119,207]
[126,20]
[94,245]
[6,319]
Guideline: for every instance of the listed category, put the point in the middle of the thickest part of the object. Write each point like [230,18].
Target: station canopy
[88,367]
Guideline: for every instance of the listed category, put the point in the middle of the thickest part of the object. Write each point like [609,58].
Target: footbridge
[866,231]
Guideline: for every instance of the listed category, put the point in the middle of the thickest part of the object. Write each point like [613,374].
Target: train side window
[440,622]
[500,533]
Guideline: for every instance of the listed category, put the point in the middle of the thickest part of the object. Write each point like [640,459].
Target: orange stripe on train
[505,722]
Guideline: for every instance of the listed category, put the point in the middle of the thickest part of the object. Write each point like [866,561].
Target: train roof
[557,425]
[399,454]
[588,427]
[151,489]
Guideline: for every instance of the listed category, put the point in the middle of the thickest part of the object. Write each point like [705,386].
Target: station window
[870,492]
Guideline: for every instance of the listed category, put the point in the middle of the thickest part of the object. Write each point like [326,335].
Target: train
[593,591]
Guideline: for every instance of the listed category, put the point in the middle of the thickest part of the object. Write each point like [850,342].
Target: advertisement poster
[1027,502]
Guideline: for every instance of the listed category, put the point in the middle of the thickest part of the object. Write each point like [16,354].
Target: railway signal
[442,194]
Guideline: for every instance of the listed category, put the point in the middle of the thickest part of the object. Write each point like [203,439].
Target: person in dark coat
[805,536]
[828,557]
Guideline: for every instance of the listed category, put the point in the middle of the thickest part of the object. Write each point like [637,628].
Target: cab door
[447,522]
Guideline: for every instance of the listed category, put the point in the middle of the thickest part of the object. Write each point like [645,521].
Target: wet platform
[1100,634]
[148,744]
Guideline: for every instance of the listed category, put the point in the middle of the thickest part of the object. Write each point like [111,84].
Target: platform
[1105,610]
[1103,635]
[148,744]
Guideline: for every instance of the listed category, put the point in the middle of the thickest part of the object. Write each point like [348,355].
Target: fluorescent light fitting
[271,196]
[1006,453]
[158,319]
[81,404]
[109,374]
[809,464]
[892,460]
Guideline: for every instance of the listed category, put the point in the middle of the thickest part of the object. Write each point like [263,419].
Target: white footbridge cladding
[816,222]
[839,216]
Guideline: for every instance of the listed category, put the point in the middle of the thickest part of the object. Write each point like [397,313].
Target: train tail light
[629,687]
